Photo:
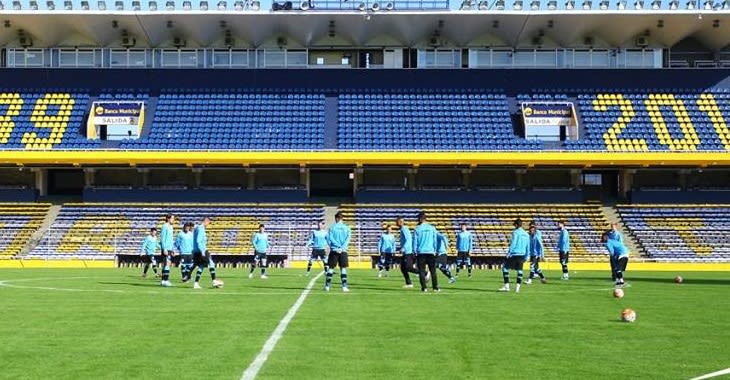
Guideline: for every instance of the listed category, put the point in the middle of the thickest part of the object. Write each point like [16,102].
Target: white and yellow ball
[628,315]
[618,293]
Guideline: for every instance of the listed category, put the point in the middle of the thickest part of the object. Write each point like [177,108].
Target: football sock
[211,269]
[328,277]
[343,277]
[198,274]
[519,276]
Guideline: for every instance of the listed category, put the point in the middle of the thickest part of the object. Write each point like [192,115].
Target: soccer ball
[618,293]
[628,315]
[218,284]
[678,279]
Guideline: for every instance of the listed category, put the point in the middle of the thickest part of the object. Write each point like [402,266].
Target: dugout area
[456,183]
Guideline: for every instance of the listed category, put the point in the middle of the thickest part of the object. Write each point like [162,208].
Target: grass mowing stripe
[255,366]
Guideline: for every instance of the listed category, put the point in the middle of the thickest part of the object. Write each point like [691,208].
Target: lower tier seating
[18,221]
[100,231]
[491,225]
[680,232]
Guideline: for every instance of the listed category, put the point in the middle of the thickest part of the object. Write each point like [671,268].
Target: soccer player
[442,260]
[166,248]
[564,248]
[386,247]
[318,242]
[260,243]
[338,239]
[149,248]
[613,233]
[519,248]
[464,245]
[201,255]
[185,244]
[406,250]
[536,254]
[619,254]
[424,246]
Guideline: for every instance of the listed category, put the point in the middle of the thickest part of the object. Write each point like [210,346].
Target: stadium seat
[680,232]
[491,225]
[17,223]
[99,231]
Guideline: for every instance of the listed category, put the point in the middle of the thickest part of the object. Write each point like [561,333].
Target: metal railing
[428,57]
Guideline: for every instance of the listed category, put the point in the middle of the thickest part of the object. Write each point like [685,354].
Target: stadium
[587,138]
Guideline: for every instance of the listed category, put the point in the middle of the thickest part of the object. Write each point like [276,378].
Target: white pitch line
[255,366]
[725,371]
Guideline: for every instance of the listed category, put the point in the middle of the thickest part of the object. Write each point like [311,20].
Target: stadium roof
[609,28]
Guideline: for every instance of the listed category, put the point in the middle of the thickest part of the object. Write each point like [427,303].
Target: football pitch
[112,324]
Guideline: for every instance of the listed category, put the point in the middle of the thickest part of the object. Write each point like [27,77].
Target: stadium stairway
[329,215]
[149,112]
[629,240]
[45,226]
[331,121]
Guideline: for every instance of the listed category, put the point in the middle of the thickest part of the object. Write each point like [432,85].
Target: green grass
[111,324]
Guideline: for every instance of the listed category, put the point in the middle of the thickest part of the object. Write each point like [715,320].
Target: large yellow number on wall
[14,102]
[708,105]
[690,139]
[613,143]
[56,123]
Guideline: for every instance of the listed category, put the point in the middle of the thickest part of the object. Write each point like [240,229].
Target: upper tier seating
[43,120]
[441,121]
[236,121]
[681,120]
[613,120]
[681,233]
[98,231]
[17,223]
[491,225]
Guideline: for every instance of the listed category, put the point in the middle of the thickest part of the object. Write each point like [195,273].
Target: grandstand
[680,232]
[599,113]
[18,222]
[474,111]
[491,225]
[103,231]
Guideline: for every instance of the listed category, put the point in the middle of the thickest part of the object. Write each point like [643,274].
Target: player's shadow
[274,287]
[355,285]
[146,285]
[687,281]
[665,280]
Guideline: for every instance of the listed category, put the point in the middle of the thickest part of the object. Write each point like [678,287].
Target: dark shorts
[201,260]
[259,255]
[462,256]
[515,262]
[340,259]
[564,257]
[148,259]
[442,260]
[319,254]
[167,256]
[186,259]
